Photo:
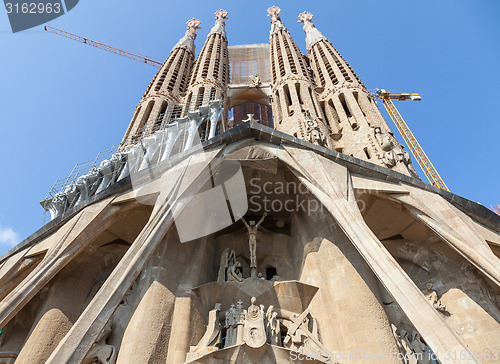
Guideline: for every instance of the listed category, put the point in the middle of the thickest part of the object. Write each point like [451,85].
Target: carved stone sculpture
[383,139]
[256,80]
[313,132]
[234,272]
[106,171]
[101,352]
[132,156]
[230,268]
[432,297]
[239,317]
[235,319]
[273,334]
[117,161]
[299,338]
[389,159]
[224,259]
[82,186]
[215,110]
[93,180]
[150,144]
[420,349]
[194,121]
[252,242]
[212,336]
[254,332]
[249,118]
[407,347]
[171,133]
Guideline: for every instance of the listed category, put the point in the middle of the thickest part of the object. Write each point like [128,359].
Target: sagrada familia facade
[258,210]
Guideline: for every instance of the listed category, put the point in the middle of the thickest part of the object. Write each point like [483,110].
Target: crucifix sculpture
[252,243]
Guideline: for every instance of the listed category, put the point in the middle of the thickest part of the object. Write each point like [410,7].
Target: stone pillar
[147,334]
[178,346]
[348,293]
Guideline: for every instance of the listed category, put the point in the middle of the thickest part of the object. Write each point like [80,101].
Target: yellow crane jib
[415,148]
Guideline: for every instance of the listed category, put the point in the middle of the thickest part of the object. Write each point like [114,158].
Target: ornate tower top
[220,24]
[276,24]
[313,35]
[187,41]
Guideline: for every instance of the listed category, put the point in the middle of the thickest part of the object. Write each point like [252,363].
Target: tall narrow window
[199,98]
[367,153]
[288,100]
[145,117]
[360,106]
[277,102]
[344,105]
[313,101]
[297,89]
[161,116]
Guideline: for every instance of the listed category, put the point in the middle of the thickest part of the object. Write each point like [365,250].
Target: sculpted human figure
[230,334]
[256,80]
[270,324]
[383,139]
[274,325]
[234,272]
[229,268]
[239,322]
[252,241]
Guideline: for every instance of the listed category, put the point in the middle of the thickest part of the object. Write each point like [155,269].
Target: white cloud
[8,237]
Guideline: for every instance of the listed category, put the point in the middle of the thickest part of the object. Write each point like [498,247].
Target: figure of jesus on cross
[252,242]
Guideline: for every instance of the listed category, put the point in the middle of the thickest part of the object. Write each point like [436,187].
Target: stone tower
[211,72]
[192,243]
[166,87]
[295,104]
[357,125]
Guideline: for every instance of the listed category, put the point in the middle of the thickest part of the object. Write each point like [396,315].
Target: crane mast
[93,43]
[415,148]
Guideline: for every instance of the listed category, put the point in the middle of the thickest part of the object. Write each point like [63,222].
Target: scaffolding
[171,115]
[81,169]
[248,60]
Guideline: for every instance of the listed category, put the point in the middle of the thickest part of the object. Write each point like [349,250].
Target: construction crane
[93,43]
[415,148]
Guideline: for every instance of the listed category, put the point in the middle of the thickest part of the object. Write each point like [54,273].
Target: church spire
[294,102]
[357,126]
[210,75]
[187,42]
[220,24]
[313,35]
[274,13]
[165,88]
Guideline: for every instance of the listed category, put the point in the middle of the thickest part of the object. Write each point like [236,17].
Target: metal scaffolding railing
[171,114]
[81,169]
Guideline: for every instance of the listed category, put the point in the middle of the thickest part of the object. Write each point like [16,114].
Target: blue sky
[62,102]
